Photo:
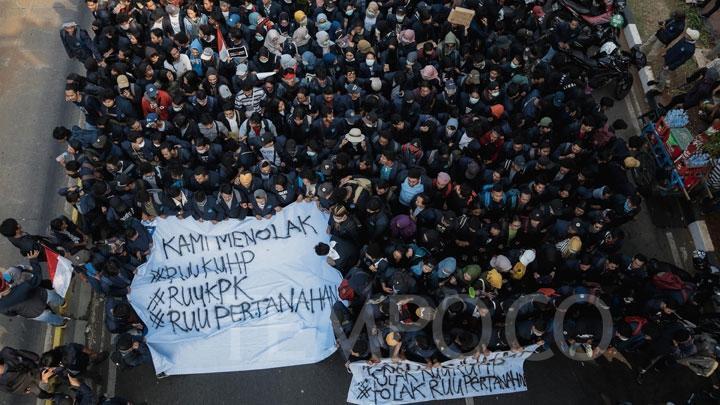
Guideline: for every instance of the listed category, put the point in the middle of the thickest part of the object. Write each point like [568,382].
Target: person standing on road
[26,243]
[677,55]
[77,43]
[29,299]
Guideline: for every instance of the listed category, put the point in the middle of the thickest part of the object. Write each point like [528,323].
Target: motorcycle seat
[579,8]
[580,56]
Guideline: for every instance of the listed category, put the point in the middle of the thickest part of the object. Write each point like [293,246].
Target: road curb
[698,229]
[632,37]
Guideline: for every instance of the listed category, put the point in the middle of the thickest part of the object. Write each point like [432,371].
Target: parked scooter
[610,65]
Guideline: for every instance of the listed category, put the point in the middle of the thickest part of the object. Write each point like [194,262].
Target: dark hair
[122,310]
[9,227]
[124,342]
[61,133]
[57,223]
[322,249]
[681,335]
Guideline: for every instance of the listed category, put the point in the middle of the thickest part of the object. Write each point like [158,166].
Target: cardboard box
[461,16]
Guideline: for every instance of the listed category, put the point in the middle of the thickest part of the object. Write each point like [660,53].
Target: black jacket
[26,299]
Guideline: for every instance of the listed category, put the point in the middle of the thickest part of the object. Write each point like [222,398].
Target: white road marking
[673,249]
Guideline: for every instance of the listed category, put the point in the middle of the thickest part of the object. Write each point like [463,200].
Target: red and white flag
[60,270]
[222,48]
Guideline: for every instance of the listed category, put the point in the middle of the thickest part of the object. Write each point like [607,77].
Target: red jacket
[163,101]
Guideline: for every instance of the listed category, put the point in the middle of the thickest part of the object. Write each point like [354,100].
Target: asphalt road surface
[32,67]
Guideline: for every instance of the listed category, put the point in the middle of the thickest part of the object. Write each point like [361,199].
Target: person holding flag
[29,299]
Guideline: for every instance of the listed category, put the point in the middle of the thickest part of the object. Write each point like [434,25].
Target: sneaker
[588,350]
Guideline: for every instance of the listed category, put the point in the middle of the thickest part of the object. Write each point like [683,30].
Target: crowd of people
[453,160]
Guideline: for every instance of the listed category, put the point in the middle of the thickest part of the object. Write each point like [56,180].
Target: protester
[677,54]
[453,162]
[28,299]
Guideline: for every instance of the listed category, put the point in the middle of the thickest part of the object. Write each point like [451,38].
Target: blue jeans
[549,55]
[49,316]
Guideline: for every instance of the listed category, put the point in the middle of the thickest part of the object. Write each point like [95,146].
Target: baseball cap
[207,54]
[351,118]
[473,77]
[224,91]
[325,190]
[152,117]
[233,19]
[266,138]
[545,122]
[123,82]
[100,142]
[69,24]
[352,88]
[260,194]
[326,167]
[151,90]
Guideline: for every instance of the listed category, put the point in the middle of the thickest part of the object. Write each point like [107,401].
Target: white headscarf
[274,42]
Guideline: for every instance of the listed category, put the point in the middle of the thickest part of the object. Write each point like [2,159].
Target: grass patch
[647,13]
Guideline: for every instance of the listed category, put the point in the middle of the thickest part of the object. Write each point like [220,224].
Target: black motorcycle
[609,66]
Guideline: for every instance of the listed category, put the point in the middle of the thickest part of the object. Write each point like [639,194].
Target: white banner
[63,276]
[237,295]
[408,382]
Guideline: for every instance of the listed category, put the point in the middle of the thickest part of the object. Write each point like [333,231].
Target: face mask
[513,65]
[263,60]
[399,18]
[450,132]
[370,15]
[474,100]
[350,60]
[450,92]
[370,62]
[311,153]
[258,37]
[479,65]
[349,12]
[495,93]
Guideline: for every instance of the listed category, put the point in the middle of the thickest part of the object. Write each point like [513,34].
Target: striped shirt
[250,103]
